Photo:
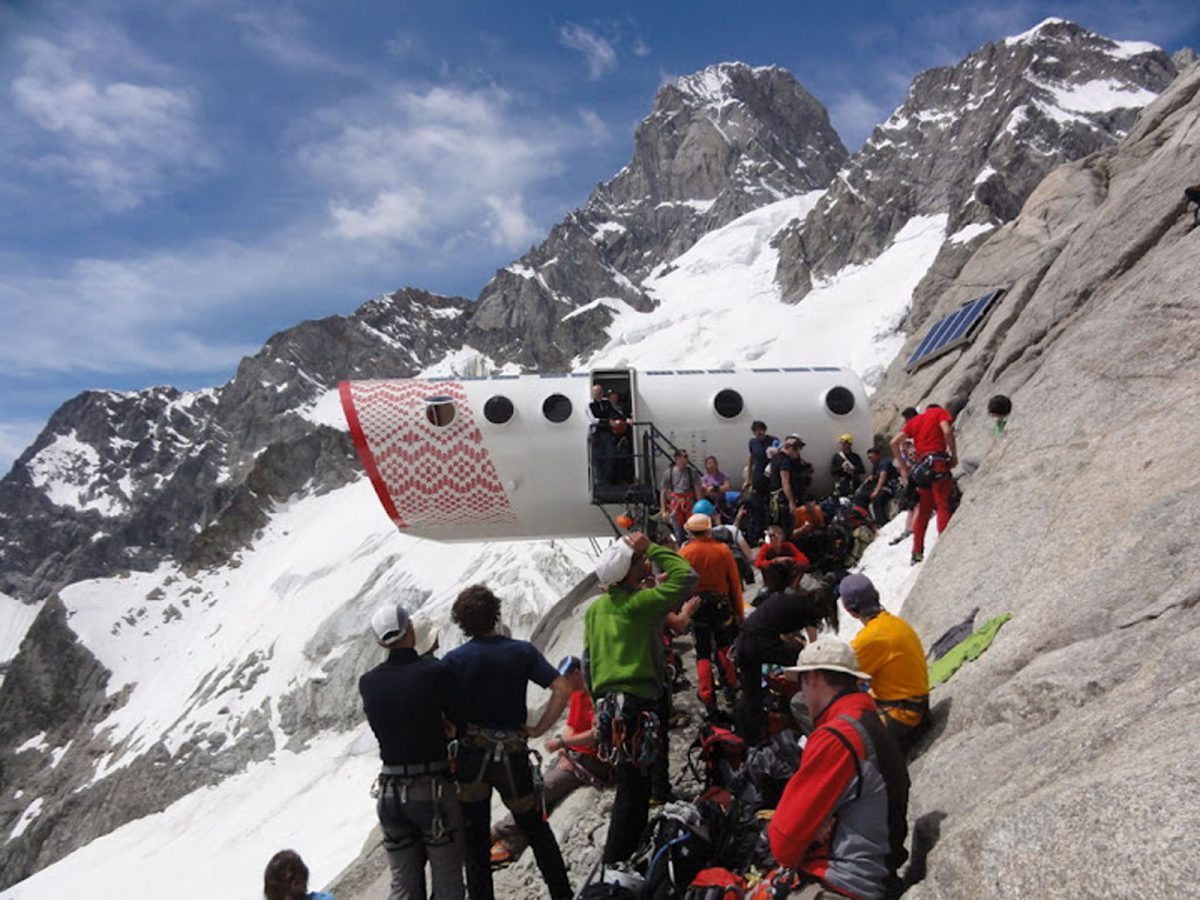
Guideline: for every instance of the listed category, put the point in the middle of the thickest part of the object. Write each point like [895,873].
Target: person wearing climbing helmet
[847,468]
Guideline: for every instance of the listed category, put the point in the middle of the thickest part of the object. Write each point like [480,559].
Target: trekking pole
[590,876]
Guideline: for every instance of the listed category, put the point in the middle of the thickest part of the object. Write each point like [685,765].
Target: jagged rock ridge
[1064,756]
[972,141]
[118,481]
[718,144]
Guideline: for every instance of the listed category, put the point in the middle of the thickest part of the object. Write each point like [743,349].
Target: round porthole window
[556,408]
[839,401]
[439,411]
[728,403]
[498,410]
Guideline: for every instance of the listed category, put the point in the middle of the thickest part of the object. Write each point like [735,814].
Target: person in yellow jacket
[891,653]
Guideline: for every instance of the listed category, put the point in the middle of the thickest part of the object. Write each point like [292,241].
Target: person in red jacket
[932,433]
[842,819]
[715,623]
[775,547]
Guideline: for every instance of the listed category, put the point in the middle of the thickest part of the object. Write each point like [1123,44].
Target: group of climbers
[451,731]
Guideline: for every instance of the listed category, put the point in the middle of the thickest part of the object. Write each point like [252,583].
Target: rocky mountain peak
[972,140]
[716,145]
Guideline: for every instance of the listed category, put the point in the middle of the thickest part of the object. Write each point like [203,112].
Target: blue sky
[180,180]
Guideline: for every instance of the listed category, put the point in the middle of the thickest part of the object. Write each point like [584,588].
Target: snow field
[720,306]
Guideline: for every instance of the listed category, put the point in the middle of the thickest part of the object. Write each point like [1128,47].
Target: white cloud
[854,115]
[509,225]
[596,126]
[600,55]
[640,48]
[423,166]
[119,140]
[281,35]
[393,214]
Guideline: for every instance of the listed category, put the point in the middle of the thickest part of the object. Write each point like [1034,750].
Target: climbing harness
[617,742]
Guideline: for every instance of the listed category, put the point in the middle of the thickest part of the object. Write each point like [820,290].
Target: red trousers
[937,494]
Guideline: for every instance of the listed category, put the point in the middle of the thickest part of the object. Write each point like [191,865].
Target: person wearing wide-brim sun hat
[842,819]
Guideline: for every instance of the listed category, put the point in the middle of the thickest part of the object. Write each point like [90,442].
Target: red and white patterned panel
[424,474]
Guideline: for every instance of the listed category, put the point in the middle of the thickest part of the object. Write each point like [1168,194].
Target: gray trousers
[420,820]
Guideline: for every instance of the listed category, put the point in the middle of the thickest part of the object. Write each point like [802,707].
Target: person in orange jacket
[715,623]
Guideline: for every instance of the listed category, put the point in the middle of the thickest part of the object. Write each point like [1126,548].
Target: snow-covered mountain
[970,142]
[187,573]
[717,144]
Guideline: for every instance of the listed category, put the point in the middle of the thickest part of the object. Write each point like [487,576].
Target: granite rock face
[1066,756]
[718,144]
[972,141]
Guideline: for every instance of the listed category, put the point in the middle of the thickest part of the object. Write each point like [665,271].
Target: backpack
[678,844]
[724,534]
[716,883]
[720,751]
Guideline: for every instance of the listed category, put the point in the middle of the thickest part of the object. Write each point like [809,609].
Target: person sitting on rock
[715,486]
[890,652]
[808,531]
[846,468]
[575,765]
[843,817]
[715,622]
[775,547]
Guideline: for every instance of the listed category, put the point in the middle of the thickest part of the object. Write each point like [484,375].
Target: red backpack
[716,884]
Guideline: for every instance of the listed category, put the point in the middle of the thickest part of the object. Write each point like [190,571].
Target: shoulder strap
[845,742]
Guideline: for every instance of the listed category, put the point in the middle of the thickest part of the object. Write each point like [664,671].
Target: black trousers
[753,651]
[512,776]
[631,806]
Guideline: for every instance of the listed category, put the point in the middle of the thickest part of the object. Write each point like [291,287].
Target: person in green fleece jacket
[621,640]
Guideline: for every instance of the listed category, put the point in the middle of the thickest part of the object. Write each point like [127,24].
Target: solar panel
[958,328]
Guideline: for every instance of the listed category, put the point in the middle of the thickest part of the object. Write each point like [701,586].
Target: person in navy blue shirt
[880,486]
[758,482]
[493,674]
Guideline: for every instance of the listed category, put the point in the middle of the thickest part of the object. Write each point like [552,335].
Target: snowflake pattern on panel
[425,474]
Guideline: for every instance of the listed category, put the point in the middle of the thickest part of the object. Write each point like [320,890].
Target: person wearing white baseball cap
[842,819]
[409,702]
[621,628]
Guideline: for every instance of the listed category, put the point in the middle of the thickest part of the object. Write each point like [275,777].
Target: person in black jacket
[770,634]
[410,704]
[846,468]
